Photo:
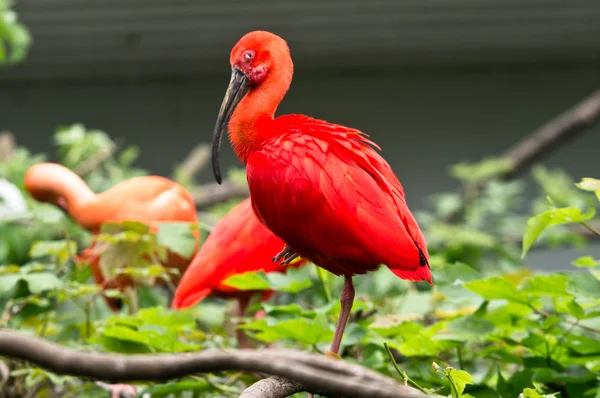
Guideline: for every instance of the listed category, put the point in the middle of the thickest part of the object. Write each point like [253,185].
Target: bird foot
[333,355]
[287,254]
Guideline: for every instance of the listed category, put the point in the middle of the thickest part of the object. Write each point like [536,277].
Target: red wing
[324,190]
[239,243]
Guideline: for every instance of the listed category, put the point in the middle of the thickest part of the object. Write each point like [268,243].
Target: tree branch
[211,194]
[552,135]
[541,143]
[7,145]
[315,372]
[196,160]
[273,387]
[89,165]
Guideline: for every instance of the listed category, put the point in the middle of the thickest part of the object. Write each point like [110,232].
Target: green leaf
[42,281]
[540,362]
[138,227]
[419,341]
[8,282]
[590,185]
[61,249]
[549,285]
[458,380]
[581,284]
[455,273]
[583,345]
[301,329]
[248,281]
[497,288]
[483,170]
[470,326]
[585,261]
[531,393]
[565,215]
[293,281]
[177,237]
[129,155]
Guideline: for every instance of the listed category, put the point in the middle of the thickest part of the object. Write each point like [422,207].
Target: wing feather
[334,199]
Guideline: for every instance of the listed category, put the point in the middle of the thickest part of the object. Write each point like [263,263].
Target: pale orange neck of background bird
[52,182]
[249,127]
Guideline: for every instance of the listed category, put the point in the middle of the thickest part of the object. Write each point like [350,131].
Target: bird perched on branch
[147,199]
[320,187]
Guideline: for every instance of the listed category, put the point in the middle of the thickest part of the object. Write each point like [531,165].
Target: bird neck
[68,191]
[249,126]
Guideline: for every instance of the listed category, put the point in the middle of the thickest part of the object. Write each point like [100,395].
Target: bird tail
[418,275]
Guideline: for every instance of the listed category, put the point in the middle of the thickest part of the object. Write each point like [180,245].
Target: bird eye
[249,55]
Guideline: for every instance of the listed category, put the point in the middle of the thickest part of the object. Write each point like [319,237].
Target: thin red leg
[346,301]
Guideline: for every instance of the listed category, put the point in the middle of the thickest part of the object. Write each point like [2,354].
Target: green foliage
[294,281]
[489,327]
[14,36]
[557,216]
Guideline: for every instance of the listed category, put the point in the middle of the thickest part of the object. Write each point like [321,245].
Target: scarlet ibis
[147,199]
[238,243]
[320,187]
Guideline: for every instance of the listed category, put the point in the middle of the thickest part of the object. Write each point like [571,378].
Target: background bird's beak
[238,87]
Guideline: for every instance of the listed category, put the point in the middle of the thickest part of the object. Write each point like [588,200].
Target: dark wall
[424,121]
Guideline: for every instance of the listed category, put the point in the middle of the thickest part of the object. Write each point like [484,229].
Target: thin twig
[315,372]
[99,157]
[195,160]
[402,373]
[590,228]
[575,323]
[7,145]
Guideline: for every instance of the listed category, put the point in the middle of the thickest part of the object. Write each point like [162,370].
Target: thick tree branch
[315,372]
[273,387]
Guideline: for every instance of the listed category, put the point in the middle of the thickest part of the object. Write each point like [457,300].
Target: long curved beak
[238,87]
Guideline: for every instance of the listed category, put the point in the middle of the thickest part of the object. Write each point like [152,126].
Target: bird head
[43,183]
[258,57]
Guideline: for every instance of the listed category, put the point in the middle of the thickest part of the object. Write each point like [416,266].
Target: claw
[286,251]
[289,258]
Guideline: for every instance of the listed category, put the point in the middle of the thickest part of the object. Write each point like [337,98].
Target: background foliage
[489,327]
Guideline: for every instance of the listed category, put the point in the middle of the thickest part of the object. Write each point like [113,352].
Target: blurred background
[433,82]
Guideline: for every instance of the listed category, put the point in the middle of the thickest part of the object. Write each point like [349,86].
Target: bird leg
[242,338]
[287,254]
[346,301]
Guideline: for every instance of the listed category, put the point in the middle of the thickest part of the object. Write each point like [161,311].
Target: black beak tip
[217,172]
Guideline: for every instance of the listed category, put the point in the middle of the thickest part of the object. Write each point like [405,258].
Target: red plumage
[238,243]
[336,200]
[319,186]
